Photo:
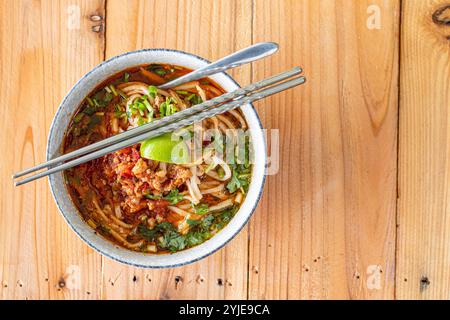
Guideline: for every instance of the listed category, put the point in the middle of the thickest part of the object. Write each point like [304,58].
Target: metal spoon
[252,53]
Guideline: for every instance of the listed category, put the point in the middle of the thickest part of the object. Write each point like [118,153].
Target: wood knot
[424,283]
[97,29]
[95,18]
[61,283]
[200,279]
[178,281]
[442,16]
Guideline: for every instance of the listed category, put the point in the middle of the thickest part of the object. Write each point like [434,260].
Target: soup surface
[168,193]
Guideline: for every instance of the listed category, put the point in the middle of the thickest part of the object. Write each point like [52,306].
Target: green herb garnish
[78,117]
[168,107]
[174,197]
[240,179]
[201,208]
[194,99]
[168,238]
[152,91]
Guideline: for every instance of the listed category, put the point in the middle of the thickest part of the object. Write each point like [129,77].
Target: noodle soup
[149,197]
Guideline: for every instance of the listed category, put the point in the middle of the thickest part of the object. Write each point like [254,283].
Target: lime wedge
[165,149]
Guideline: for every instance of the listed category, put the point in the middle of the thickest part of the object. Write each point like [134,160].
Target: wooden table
[360,207]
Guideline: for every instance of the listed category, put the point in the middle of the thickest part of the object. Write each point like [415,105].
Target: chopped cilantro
[168,238]
[174,197]
[194,99]
[201,208]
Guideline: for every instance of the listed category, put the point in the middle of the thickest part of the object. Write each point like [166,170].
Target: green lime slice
[165,149]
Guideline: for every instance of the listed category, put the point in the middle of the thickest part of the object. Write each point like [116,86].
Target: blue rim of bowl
[258,198]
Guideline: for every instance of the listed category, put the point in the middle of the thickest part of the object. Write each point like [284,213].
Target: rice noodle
[215,122]
[163,92]
[201,93]
[243,124]
[184,206]
[226,168]
[118,237]
[214,90]
[227,122]
[192,185]
[206,156]
[188,86]
[238,198]
[138,87]
[178,211]
[206,184]
[121,223]
[99,210]
[222,205]
[220,187]
[131,88]
[220,195]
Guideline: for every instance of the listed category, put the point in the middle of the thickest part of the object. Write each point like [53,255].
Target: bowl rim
[104,252]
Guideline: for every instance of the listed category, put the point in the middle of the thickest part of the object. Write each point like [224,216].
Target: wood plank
[45,47]
[326,227]
[424,204]
[210,29]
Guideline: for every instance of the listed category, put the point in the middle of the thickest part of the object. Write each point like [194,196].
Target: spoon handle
[252,53]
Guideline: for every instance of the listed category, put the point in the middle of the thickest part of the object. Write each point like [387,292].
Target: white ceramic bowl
[61,121]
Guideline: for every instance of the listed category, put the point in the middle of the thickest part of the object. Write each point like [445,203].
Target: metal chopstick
[169,128]
[164,121]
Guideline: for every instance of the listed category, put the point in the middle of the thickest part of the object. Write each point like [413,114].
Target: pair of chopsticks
[226,102]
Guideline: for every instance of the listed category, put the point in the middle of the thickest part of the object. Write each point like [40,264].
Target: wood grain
[326,228]
[424,203]
[329,222]
[210,29]
[41,57]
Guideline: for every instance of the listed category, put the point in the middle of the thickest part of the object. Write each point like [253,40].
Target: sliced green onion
[161,72]
[152,91]
[89,100]
[78,117]
[113,89]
